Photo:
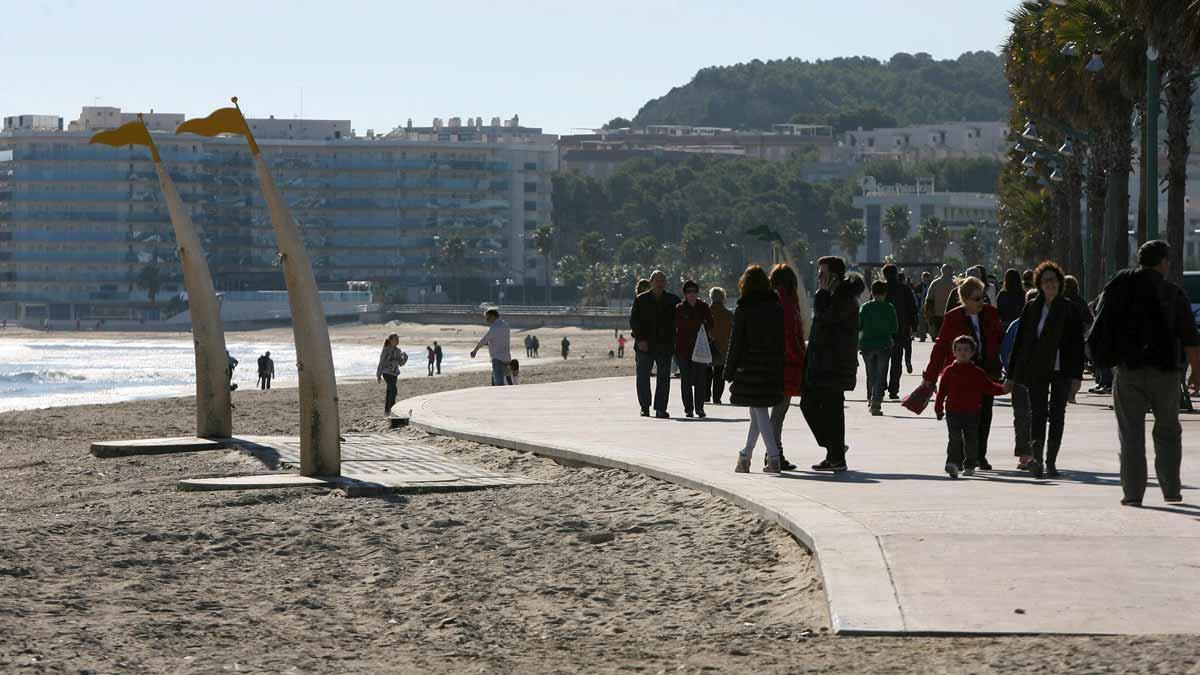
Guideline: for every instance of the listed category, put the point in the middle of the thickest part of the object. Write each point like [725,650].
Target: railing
[516,310]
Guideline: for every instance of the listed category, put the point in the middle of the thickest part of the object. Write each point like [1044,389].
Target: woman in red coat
[785,283]
[690,315]
[981,321]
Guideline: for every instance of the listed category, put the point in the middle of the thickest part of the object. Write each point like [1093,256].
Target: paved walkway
[901,547]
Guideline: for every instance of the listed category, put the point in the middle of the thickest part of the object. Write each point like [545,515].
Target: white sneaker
[952,469]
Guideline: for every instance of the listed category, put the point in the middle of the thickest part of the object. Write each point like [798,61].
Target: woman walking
[690,316]
[1047,358]
[390,361]
[721,330]
[1011,299]
[976,318]
[755,363]
[786,285]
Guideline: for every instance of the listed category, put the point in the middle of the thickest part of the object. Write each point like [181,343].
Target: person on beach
[528,346]
[1011,299]
[980,320]
[786,285]
[1143,325]
[536,345]
[266,371]
[429,358]
[513,376]
[756,362]
[831,362]
[1019,396]
[936,298]
[497,339]
[230,365]
[566,348]
[652,325]
[960,399]
[877,326]
[690,316]
[390,361]
[721,330]
[621,346]
[900,296]
[437,355]
[1047,357]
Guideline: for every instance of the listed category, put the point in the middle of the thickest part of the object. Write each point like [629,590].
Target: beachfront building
[946,140]
[958,210]
[84,232]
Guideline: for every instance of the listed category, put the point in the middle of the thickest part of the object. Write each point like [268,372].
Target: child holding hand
[960,399]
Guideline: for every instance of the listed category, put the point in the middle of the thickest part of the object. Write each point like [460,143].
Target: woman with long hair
[755,363]
[390,360]
[1047,358]
[786,285]
[1011,299]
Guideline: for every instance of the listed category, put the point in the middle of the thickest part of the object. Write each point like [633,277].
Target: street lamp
[1096,64]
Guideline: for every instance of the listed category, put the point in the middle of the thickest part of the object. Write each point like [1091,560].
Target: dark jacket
[1142,321]
[756,353]
[958,323]
[1033,356]
[1010,305]
[832,357]
[653,320]
[688,320]
[902,298]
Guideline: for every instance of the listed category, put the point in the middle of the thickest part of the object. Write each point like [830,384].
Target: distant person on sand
[230,364]
[529,346]
[513,376]
[721,330]
[390,361]
[429,358]
[536,345]
[266,371]
[621,346]
[566,347]
[497,340]
[652,324]
[755,364]
[437,355]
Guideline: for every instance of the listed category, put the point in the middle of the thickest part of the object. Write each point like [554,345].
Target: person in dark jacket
[1011,299]
[652,323]
[831,362]
[754,366]
[1047,357]
[690,315]
[722,329]
[901,297]
[981,321]
[786,285]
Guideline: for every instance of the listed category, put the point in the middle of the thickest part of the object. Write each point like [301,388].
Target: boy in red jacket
[960,395]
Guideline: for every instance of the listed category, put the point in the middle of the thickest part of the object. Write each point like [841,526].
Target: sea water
[47,373]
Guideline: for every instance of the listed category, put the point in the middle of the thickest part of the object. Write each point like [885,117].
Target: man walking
[497,340]
[901,298]
[831,364]
[652,324]
[1143,325]
[266,371]
[936,298]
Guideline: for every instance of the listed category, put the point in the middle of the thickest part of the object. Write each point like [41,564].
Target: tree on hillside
[639,253]
[862,117]
[896,225]
[591,248]
[934,237]
[618,123]
[543,240]
[851,235]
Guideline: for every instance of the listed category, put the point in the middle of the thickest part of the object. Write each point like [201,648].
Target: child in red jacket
[960,395]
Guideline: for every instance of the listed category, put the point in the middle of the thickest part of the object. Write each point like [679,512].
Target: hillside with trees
[844,92]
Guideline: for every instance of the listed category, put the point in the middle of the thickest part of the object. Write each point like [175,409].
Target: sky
[562,65]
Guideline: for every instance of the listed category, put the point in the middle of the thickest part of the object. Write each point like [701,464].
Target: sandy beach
[104,567]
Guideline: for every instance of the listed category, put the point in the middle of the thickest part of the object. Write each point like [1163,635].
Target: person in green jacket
[877,323]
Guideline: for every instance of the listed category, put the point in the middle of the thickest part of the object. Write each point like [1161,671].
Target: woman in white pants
[755,361]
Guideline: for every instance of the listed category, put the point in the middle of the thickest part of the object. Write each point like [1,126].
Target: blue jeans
[646,361]
[877,371]
[498,369]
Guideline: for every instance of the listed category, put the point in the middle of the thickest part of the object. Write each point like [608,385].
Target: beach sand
[104,567]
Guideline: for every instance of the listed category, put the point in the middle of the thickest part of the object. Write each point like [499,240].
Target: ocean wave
[40,377]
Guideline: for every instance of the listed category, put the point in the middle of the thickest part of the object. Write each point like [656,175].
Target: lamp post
[1151,143]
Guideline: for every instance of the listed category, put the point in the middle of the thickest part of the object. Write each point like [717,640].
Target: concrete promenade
[902,548]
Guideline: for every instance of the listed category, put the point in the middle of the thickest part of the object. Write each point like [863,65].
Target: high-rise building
[84,232]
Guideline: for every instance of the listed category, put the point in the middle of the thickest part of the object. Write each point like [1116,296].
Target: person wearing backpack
[1142,324]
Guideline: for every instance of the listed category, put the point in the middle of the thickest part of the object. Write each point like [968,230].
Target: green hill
[907,89]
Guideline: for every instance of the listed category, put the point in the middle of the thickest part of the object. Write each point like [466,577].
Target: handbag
[701,353]
[919,399]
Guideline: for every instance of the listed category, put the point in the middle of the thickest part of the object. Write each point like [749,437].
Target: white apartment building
[931,141]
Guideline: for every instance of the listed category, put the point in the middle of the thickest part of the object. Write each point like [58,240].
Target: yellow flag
[221,121]
[133,133]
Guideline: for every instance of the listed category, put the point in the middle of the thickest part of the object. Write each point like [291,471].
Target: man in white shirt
[497,340]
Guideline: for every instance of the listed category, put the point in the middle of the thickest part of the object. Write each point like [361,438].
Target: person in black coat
[901,297]
[831,366]
[652,322]
[1047,357]
[754,364]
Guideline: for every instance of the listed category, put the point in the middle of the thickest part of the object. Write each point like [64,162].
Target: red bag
[919,399]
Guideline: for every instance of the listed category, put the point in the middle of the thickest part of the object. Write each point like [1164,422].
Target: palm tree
[850,236]
[543,240]
[896,225]
[454,254]
[970,244]
[935,237]
[149,279]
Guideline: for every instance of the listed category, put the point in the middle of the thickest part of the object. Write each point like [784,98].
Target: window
[531,206]
[531,166]
[531,186]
